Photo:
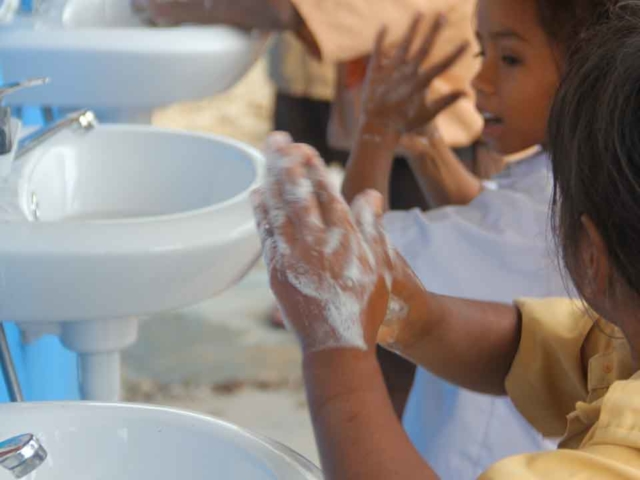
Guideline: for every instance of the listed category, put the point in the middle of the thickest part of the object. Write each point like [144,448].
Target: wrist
[338,375]
[421,323]
[375,131]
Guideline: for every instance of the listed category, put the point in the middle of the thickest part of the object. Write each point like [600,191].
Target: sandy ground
[243,113]
[221,357]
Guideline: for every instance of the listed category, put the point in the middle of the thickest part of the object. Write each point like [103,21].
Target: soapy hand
[409,315]
[395,86]
[329,266]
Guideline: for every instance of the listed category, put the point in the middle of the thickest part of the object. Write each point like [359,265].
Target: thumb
[368,212]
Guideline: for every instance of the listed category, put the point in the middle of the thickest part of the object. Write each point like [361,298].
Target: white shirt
[497,248]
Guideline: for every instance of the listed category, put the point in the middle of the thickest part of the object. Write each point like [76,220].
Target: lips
[493,127]
[490,118]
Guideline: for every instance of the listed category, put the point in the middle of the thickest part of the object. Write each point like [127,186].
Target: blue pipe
[47,371]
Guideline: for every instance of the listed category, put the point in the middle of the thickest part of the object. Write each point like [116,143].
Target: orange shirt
[345,31]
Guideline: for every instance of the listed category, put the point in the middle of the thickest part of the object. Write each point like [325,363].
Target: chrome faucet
[6,132]
[22,455]
[83,119]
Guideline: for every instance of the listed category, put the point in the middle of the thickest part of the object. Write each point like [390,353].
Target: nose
[485,81]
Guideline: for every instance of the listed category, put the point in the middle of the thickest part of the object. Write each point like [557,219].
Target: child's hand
[408,313]
[395,87]
[420,141]
[176,12]
[329,268]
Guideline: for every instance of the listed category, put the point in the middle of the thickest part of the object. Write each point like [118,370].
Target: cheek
[527,114]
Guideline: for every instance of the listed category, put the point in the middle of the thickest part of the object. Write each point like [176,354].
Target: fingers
[377,56]
[402,52]
[300,200]
[425,78]
[277,215]
[276,141]
[333,209]
[429,41]
[368,210]
[293,209]
[433,109]
[269,245]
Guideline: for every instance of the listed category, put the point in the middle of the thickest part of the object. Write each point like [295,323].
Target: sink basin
[125,222]
[115,441]
[133,220]
[123,68]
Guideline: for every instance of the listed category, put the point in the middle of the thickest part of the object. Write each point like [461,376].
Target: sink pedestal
[99,376]
[98,344]
[131,221]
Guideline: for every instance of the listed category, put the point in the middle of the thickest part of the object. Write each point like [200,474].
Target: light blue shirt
[497,248]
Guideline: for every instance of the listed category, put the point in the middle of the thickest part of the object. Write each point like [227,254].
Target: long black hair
[594,141]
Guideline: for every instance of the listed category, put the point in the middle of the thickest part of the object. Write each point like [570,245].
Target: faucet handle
[22,455]
[9,88]
[6,132]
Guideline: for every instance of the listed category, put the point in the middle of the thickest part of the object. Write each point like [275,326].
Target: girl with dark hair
[494,245]
[570,367]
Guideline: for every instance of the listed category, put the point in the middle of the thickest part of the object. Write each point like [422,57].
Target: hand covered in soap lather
[395,86]
[329,267]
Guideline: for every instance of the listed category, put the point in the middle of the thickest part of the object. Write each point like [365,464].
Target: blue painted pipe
[47,371]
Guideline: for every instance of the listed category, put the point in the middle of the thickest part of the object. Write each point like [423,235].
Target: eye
[479,54]
[510,60]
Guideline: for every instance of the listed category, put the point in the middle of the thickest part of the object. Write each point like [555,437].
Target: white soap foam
[334,240]
[397,310]
[342,294]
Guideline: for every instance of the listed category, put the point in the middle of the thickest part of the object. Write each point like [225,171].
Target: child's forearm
[248,14]
[468,343]
[265,15]
[357,431]
[441,175]
[370,162]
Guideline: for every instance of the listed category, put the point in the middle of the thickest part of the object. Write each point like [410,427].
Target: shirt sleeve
[603,465]
[548,377]
[346,29]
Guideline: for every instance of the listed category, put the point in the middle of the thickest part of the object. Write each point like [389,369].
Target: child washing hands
[393,110]
[341,262]
[493,245]
[566,368]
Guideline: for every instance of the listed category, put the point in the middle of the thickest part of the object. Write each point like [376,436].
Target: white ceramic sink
[129,442]
[116,67]
[131,221]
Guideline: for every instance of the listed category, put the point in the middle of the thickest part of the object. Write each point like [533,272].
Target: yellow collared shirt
[573,375]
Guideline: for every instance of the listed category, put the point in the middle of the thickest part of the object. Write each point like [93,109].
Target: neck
[521,155]
[628,320]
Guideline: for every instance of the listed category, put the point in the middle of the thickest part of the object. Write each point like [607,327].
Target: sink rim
[207,61]
[301,463]
[28,165]
[144,236]
[19,33]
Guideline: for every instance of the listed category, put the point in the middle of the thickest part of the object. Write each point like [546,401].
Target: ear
[595,261]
